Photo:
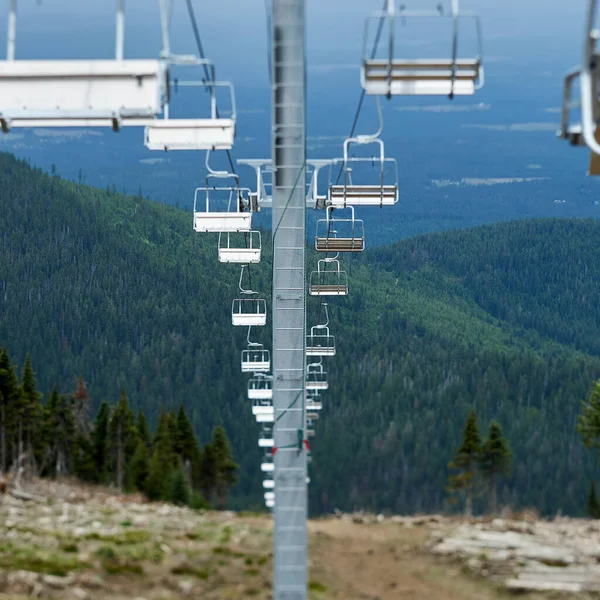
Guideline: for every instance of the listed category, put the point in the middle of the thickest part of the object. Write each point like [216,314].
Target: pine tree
[180,492]
[208,472]
[137,470]
[464,462]
[28,416]
[142,429]
[9,399]
[494,461]
[82,409]
[58,434]
[226,468]
[165,438]
[122,438]
[163,461]
[100,442]
[187,444]
[593,506]
[588,422]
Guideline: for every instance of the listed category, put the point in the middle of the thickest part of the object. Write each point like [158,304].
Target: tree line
[60,437]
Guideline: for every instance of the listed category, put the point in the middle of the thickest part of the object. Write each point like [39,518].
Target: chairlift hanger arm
[588,88]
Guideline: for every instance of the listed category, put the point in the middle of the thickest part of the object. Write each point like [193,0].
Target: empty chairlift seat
[63,93]
[313,404]
[452,75]
[249,311]
[222,209]
[255,359]
[240,248]
[320,342]
[260,388]
[316,377]
[263,411]
[215,131]
[328,279]
[265,439]
[340,234]
[366,181]
[269,496]
[267,465]
[269,484]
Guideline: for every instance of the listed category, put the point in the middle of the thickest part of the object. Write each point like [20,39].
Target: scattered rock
[59,583]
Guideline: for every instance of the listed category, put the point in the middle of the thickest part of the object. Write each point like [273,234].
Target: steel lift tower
[289,301]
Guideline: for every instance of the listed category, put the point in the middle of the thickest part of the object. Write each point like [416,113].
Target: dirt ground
[91,547]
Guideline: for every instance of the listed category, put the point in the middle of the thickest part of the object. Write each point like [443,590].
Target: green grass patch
[225,551]
[116,567]
[262,560]
[225,537]
[315,586]
[126,523]
[120,539]
[189,570]
[28,559]
[248,561]
[69,547]
[252,592]
[252,572]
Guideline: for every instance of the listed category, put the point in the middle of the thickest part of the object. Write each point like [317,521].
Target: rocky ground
[78,543]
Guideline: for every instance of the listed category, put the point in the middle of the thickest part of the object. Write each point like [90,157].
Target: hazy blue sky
[233,31]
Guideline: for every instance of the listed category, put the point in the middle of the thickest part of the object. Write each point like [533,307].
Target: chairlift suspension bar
[120,31]
[12,30]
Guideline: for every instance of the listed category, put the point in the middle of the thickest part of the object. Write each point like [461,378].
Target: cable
[363,93]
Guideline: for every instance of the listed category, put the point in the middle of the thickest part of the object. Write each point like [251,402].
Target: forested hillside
[502,318]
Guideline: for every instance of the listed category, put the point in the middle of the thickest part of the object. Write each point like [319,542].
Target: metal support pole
[289,300]
[12,30]
[120,36]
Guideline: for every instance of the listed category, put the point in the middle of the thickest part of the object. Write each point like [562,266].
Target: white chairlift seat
[328,279]
[377,175]
[235,218]
[267,465]
[316,377]
[340,235]
[256,360]
[319,342]
[269,496]
[313,416]
[362,195]
[270,503]
[213,132]
[249,311]
[313,405]
[75,93]
[437,77]
[240,248]
[260,388]
[447,76]
[263,411]
[265,439]
[269,484]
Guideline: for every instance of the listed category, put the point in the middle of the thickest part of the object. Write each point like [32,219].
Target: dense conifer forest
[502,319]
[58,437]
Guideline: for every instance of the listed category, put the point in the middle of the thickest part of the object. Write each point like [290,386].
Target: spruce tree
[208,473]
[180,492]
[122,438]
[187,444]
[494,462]
[137,470]
[9,400]
[142,429]
[28,416]
[163,461]
[588,422]
[100,442]
[58,434]
[82,409]
[464,463]
[226,468]
[593,506]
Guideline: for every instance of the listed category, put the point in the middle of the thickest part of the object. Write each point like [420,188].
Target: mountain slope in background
[504,318]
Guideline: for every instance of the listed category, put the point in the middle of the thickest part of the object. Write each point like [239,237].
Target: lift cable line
[124,92]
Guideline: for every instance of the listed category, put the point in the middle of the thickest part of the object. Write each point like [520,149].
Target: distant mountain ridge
[502,317]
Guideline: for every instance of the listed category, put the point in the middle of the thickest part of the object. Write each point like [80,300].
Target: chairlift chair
[320,342]
[328,279]
[269,484]
[313,416]
[214,132]
[381,192]
[585,133]
[76,93]
[265,439]
[249,311]
[267,464]
[255,359]
[340,235]
[270,503]
[235,218]
[449,76]
[313,404]
[263,411]
[316,377]
[240,248]
[269,496]
[260,387]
